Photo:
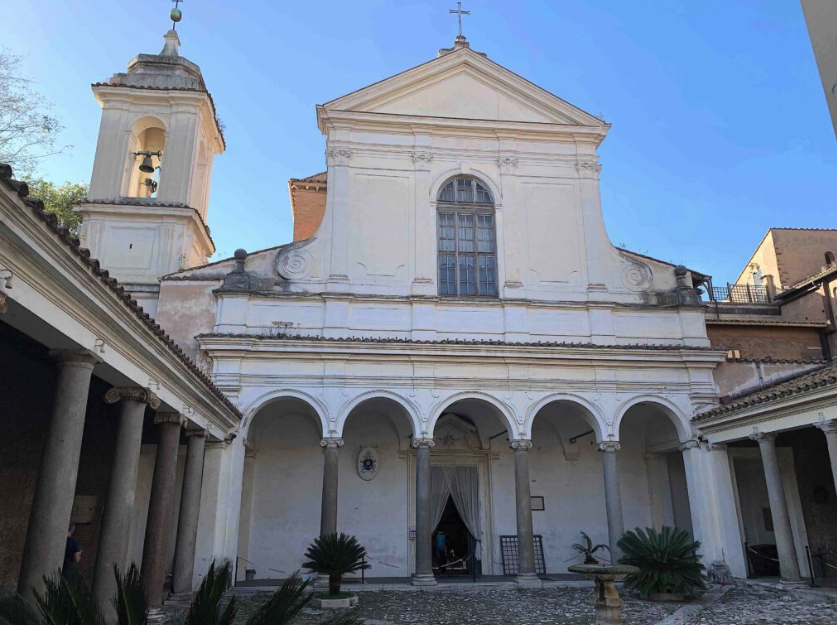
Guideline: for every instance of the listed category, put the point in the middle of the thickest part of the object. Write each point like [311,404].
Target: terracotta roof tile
[808,381]
[71,242]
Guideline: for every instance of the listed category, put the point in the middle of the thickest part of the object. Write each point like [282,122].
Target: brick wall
[777,342]
[308,202]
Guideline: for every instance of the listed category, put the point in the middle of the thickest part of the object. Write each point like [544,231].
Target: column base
[527,580]
[424,579]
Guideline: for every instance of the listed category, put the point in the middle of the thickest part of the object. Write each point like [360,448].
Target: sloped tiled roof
[807,382]
[72,244]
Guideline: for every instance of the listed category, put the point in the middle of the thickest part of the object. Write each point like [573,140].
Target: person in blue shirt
[441,548]
[72,552]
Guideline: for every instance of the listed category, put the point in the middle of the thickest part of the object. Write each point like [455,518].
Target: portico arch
[496,407]
[658,405]
[575,405]
[385,402]
[282,466]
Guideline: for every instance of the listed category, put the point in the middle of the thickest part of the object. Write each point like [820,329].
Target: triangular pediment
[463,85]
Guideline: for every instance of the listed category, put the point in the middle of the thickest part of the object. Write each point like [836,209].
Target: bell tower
[147,205]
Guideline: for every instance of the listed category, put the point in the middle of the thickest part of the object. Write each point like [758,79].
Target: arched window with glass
[467,242]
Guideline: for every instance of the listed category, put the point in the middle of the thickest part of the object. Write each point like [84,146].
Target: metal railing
[739,294]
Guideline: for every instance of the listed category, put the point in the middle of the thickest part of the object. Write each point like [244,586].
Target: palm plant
[335,555]
[667,560]
[588,549]
[204,609]
[130,603]
[63,601]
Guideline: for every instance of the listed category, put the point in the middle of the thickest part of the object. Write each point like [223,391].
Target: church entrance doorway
[454,547]
[454,492]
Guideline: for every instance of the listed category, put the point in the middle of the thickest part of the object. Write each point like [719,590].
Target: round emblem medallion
[367,463]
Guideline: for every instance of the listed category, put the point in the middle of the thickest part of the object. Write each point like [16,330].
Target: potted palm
[669,566]
[335,555]
[587,549]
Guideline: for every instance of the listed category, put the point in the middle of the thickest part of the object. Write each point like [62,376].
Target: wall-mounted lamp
[146,166]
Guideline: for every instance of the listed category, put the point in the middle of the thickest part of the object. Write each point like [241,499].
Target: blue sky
[720,126]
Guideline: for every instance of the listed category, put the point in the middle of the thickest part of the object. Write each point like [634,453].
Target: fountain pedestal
[605,597]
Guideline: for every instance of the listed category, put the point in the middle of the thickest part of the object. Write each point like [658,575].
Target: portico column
[159,508]
[788,564]
[424,531]
[331,456]
[190,505]
[613,497]
[830,430]
[122,485]
[52,504]
[526,575]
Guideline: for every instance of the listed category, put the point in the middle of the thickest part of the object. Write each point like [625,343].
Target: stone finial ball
[240,254]
[176,15]
[680,270]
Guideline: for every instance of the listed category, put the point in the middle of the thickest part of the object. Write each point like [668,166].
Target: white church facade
[455,354]
[459,306]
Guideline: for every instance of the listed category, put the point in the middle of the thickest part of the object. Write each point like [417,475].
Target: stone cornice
[132,393]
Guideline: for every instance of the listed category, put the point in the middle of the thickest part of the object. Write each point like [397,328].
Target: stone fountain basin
[603,572]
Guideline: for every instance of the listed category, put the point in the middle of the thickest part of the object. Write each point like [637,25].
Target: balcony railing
[739,294]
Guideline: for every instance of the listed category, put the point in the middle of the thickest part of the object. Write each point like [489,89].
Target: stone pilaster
[829,428]
[328,513]
[526,575]
[122,486]
[613,497]
[190,505]
[788,563]
[424,544]
[52,504]
[159,508]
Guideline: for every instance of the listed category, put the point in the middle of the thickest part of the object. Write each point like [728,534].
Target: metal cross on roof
[459,13]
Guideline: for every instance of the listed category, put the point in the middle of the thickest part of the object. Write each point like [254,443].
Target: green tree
[60,199]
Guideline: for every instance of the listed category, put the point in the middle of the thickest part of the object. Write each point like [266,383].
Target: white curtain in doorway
[463,483]
[439,493]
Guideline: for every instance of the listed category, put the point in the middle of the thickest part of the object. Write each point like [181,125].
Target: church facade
[450,361]
[461,313]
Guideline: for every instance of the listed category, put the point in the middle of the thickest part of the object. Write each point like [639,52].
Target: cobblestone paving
[559,606]
[759,605]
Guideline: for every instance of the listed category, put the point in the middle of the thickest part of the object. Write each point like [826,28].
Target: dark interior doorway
[457,557]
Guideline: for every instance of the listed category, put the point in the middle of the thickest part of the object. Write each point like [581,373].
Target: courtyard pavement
[556,606]
[742,605]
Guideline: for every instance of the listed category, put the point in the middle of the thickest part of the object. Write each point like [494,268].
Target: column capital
[75,357]
[197,433]
[692,443]
[331,442]
[169,417]
[521,444]
[829,427]
[763,437]
[132,393]
[418,443]
[610,446]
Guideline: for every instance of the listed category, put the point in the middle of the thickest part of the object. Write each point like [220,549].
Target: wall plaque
[367,464]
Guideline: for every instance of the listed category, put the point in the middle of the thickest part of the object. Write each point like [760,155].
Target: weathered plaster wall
[185,310]
[736,377]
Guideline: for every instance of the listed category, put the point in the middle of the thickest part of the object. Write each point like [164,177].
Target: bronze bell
[146,166]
